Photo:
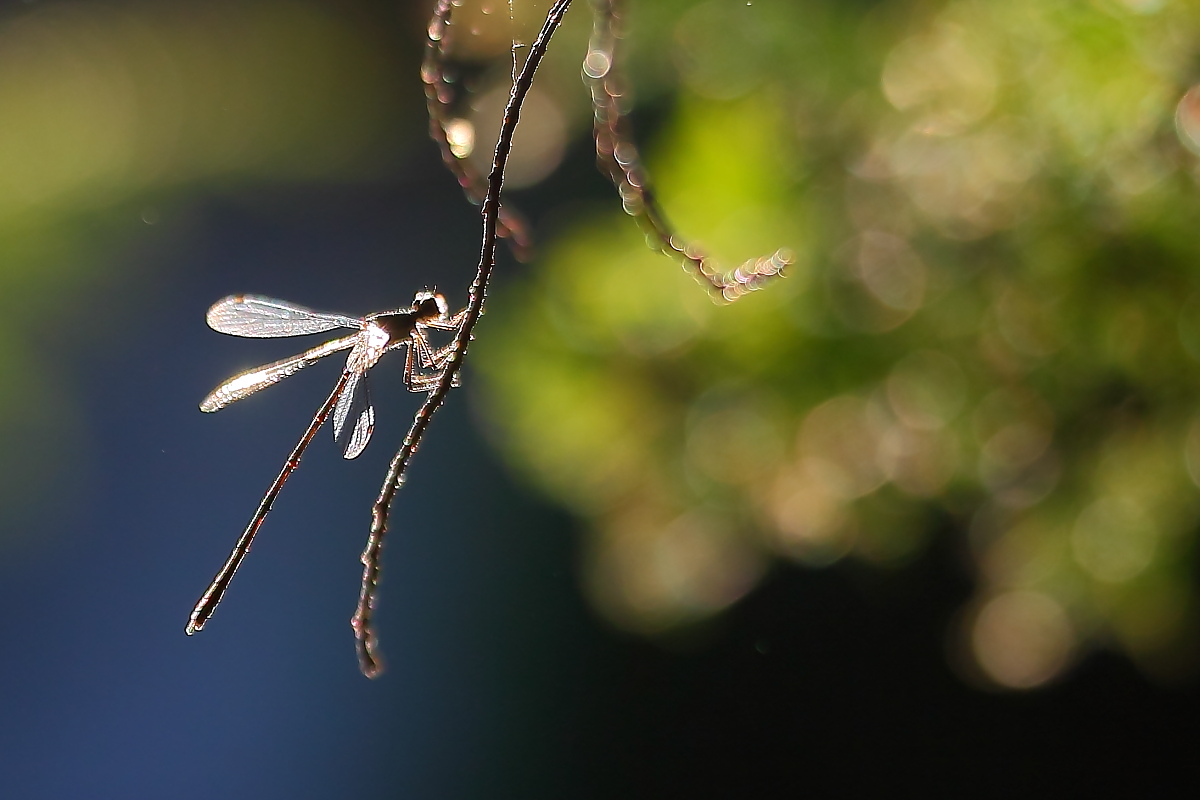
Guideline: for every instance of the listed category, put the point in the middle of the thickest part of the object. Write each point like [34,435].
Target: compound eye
[430,305]
[425,308]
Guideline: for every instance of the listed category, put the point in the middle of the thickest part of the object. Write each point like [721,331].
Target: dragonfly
[350,401]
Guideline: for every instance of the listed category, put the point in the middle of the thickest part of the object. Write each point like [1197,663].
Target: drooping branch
[439,95]
[618,156]
[368,655]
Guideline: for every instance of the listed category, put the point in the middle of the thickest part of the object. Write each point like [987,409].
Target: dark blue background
[106,697]
[500,682]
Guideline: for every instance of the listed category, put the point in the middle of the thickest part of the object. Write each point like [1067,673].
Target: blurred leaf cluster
[993,325]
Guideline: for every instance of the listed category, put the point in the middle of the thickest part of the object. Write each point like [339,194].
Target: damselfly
[350,400]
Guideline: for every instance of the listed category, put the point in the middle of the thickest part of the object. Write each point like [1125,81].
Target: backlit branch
[368,655]
[439,95]
[618,156]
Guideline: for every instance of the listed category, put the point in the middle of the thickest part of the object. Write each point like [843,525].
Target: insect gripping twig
[350,400]
[368,656]
[429,369]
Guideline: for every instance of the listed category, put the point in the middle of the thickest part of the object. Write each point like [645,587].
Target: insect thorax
[396,324]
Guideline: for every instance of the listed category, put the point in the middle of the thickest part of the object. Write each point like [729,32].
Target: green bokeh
[992,325]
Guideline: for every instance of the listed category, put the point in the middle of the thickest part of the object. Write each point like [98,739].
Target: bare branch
[367,643]
[618,156]
[439,95]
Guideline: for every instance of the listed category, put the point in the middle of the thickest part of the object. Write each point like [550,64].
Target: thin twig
[618,156]
[367,642]
[439,94]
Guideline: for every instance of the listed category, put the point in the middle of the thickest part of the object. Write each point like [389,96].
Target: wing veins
[265,317]
[247,383]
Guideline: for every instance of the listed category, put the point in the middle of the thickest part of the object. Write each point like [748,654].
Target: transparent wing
[341,411]
[247,383]
[354,403]
[363,413]
[264,317]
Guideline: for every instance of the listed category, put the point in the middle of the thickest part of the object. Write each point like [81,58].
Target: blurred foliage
[993,327]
